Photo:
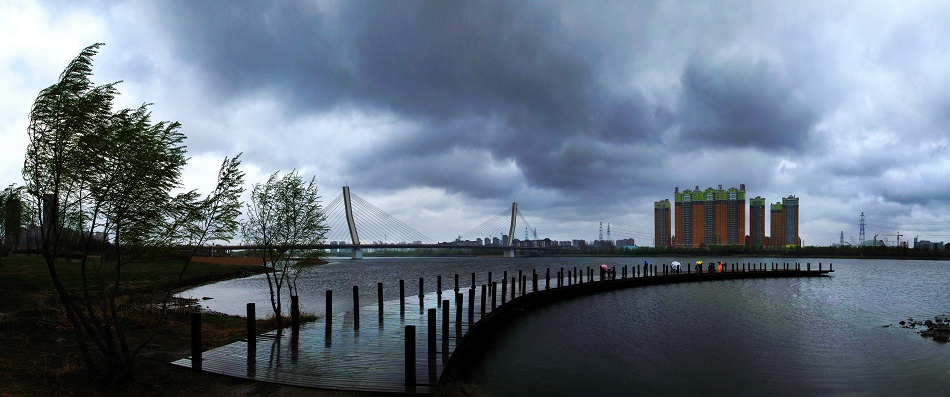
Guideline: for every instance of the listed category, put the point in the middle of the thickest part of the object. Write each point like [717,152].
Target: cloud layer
[582,112]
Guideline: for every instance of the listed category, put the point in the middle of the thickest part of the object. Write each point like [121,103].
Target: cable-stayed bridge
[357,224]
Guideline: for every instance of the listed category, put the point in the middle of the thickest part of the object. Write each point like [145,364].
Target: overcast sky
[442,113]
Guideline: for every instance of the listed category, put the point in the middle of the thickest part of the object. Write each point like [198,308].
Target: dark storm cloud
[506,77]
[742,103]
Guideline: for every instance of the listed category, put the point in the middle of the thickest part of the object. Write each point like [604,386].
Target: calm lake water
[782,337]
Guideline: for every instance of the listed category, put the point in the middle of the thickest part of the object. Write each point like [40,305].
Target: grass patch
[40,355]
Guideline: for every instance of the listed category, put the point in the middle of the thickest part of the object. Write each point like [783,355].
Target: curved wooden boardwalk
[369,354]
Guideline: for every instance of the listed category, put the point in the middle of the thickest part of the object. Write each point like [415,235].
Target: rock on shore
[938,328]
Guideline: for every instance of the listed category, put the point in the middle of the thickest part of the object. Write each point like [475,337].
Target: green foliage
[284,216]
[100,175]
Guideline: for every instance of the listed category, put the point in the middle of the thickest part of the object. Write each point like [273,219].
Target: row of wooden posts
[488,291]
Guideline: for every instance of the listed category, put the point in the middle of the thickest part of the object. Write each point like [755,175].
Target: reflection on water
[788,337]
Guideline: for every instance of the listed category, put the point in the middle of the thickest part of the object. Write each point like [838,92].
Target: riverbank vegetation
[40,353]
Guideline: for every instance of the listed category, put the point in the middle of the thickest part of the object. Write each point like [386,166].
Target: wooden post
[489,284]
[483,300]
[329,314]
[534,281]
[456,283]
[410,355]
[471,306]
[512,287]
[251,327]
[473,280]
[458,311]
[379,301]
[402,298]
[520,287]
[356,307]
[196,341]
[494,286]
[504,288]
[421,289]
[438,285]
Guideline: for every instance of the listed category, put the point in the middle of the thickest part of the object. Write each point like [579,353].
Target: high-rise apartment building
[776,225]
[757,221]
[790,220]
[709,217]
[661,223]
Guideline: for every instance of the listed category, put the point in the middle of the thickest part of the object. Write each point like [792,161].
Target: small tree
[94,171]
[284,218]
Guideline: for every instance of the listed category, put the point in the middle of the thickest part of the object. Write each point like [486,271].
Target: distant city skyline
[443,114]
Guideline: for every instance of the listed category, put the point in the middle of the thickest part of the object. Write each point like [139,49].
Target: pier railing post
[356,307]
[512,287]
[329,313]
[504,289]
[456,283]
[471,306]
[421,287]
[410,355]
[196,341]
[402,298]
[494,286]
[534,281]
[379,301]
[483,300]
[459,297]
[547,278]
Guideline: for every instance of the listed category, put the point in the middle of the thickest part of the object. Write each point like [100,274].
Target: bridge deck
[372,358]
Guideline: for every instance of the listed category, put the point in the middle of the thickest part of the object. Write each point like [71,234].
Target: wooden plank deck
[371,358]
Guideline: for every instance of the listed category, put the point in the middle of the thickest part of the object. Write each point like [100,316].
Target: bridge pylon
[351,223]
[510,251]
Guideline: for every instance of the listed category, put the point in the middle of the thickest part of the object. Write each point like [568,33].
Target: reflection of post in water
[273,362]
[432,347]
[251,340]
[410,362]
[294,345]
[251,361]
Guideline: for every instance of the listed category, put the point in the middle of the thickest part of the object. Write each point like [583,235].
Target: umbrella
[603,267]
[676,264]
[699,262]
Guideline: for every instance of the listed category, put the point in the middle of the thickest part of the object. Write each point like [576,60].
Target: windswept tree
[97,172]
[284,217]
